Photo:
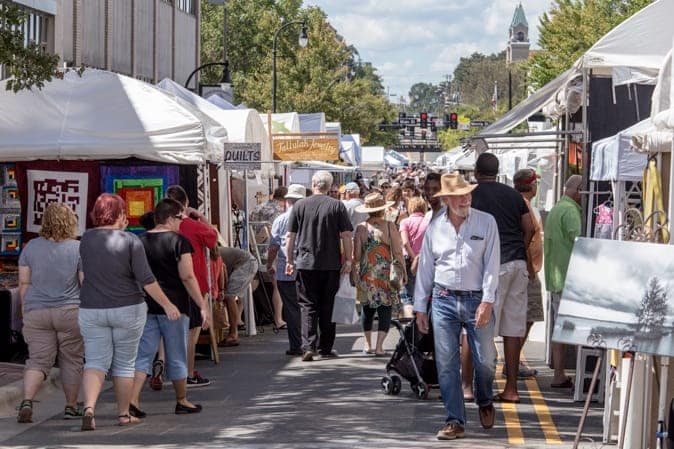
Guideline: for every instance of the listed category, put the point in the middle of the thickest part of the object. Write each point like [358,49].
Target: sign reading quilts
[141,187]
[46,186]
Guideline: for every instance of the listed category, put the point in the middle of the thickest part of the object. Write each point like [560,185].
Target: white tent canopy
[350,150]
[312,123]
[222,103]
[285,122]
[103,115]
[372,157]
[614,159]
[242,125]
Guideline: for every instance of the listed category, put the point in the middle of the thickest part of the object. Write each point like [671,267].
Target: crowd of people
[463,258]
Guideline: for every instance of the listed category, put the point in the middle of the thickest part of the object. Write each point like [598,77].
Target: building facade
[518,37]
[144,39]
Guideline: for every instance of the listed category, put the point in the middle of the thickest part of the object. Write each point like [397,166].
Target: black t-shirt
[507,206]
[163,250]
[318,222]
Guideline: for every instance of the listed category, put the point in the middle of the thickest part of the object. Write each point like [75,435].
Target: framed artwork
[11,222]
[9,174]
[44,187]
[10,244]
[618,295]
[10,197]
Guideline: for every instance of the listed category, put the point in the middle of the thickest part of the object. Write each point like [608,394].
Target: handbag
[396,273]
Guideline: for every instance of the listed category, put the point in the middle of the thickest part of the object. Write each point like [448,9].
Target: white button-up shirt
[465,260]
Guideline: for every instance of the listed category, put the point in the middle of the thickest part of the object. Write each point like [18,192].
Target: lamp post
[303,40]
[225,80]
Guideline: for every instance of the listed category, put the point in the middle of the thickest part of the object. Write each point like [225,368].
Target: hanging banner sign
[243,156]
[306,149]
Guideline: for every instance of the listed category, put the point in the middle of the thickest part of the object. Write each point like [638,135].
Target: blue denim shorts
[111,338]
[175,345]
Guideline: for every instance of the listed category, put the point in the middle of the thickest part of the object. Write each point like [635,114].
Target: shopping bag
[344,310]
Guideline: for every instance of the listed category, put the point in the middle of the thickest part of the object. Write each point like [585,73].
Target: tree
[570,28]
[28,65]
[326,76]
[426,97]
[653,308]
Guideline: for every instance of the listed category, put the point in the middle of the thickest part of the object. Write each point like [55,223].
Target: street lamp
[302,41]
[225,80]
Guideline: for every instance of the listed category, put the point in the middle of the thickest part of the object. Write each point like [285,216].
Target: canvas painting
[618,295]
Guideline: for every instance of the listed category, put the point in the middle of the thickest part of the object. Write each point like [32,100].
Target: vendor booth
[91,133]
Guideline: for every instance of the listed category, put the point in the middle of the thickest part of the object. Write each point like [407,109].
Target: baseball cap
[351,187]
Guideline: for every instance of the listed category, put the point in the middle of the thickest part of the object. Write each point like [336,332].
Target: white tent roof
[372,156]
[103,115]
[221,102]
[312,123]
[641,41]
[614,159]
[333,127]
[350,150]
[242,125]
[286,122]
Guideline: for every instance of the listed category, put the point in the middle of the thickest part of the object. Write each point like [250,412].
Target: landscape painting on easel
[618,295]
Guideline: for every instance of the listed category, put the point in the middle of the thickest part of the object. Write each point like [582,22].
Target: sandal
[88,421]
[567,383]
[25,411]
[126,419]
[229,342]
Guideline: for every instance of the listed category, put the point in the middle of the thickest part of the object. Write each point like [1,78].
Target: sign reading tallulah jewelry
[306,148]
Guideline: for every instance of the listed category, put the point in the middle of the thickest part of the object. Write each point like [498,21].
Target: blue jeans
[175,345]
[452,310]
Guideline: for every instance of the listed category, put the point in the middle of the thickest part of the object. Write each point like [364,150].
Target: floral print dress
[374,288]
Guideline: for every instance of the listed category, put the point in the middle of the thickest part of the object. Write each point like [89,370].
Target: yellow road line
[511,418]
[543,412]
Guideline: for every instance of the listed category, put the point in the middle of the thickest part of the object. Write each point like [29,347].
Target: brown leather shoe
[487,415]
[451,431]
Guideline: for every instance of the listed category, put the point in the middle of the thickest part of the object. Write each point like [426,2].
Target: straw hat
[453,184]
[374,202]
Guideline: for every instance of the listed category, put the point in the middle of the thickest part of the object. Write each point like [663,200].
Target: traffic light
[445,121]
[453,120]
[423,120]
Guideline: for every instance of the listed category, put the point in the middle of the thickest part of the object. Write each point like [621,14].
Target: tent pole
[586,155]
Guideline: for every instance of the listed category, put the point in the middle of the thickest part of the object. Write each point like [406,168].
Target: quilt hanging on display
[74,183]
[141,187]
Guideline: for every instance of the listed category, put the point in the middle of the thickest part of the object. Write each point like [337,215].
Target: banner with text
[243,156]
[306,148]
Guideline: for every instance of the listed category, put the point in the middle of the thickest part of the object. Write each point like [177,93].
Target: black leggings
[384,314]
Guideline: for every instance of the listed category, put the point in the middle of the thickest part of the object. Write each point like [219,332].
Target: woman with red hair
[112,305]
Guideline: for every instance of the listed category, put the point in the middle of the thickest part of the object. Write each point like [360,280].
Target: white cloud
[421,41]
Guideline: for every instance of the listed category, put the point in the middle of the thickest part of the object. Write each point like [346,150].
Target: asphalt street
[261,398]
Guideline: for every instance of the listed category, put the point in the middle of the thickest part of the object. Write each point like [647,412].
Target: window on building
[35,30]
[187,6]
[520,36]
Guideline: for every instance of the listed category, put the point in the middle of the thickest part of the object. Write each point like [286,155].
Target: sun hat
[373,202]
[296,191]
[351,187]
[453,184]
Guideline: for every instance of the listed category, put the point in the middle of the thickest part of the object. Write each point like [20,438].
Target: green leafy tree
[326,76]
[426,97]
[570,28]
[28,65]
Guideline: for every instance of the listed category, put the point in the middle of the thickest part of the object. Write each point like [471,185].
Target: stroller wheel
[397,385]
[421,390]
[387,384]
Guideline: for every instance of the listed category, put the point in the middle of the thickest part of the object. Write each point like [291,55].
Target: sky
[423,40]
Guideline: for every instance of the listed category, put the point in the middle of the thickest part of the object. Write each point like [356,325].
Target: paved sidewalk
[261,398]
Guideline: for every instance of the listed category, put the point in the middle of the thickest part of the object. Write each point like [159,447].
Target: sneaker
[308,356]
[25,411]
[451,431]
[197,381]
[156,382]
[71,412]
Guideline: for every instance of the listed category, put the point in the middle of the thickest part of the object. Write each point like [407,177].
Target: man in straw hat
[286,284]
[458,268]
[316,226]
[515,229]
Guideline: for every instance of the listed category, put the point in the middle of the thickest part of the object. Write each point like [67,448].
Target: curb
[12,394]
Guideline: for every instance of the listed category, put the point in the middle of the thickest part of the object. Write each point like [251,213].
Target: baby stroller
[412,359]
